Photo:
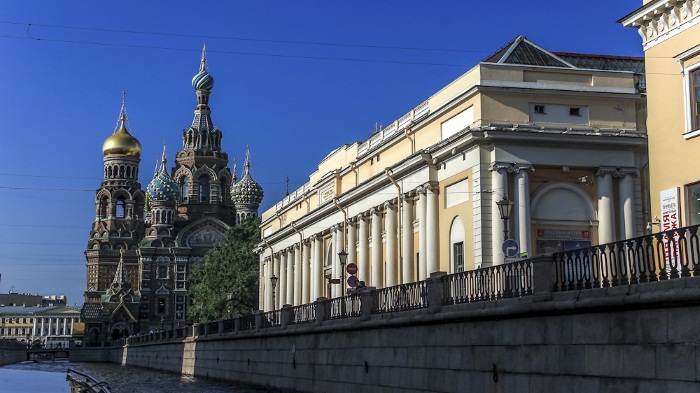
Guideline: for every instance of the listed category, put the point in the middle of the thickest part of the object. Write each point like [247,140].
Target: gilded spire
[164,158]
[122,142]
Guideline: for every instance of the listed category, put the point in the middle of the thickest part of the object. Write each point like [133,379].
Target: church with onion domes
[143,243]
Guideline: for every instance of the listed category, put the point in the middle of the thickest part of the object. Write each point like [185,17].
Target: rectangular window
[574,111]
[539,109]
[162,272]
[693,202]
[695,98]
[458,252]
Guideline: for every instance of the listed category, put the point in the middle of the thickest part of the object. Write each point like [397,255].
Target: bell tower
[119,211]
[201,167]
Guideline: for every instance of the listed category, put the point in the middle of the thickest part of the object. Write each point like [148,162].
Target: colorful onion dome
[162,187]
[121,143]
[247,192]
[203,81]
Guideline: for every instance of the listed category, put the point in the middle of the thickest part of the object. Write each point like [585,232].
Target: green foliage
[230,268]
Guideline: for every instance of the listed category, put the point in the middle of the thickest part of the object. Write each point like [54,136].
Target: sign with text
[669,221]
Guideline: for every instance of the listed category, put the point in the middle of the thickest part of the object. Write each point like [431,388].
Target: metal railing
[85,383]
[658,257]
[512,279]
[402,297]
[662,256]
[304,313]
[343,307]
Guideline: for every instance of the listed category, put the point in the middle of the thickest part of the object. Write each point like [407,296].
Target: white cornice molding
[660,20]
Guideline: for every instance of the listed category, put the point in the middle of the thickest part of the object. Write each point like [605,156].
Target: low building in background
[39,320]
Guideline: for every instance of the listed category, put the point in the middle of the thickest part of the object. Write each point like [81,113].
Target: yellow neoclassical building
[560,136]
[670,32]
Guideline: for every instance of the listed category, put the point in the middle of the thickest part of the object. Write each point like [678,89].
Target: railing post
[366,299]
[436,291]
[258,320]
[237,323]
[285,315]
[321,312]
[544,276]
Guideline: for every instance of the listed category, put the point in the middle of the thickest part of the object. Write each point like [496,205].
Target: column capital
[313,237]
[362,216]
[389,205]
[375,211]
[526,168]
[616,171]
[432,186]
[497,166]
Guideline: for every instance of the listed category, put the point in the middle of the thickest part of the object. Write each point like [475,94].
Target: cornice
[660,20]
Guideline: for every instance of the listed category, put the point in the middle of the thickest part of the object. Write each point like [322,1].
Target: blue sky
[294,80]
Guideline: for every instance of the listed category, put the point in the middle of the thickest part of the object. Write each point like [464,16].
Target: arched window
[457,245]
[184,189]
[121,208]
[203,189]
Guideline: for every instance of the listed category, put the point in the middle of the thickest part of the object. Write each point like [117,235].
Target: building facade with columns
[670,33]
[39,323]
[560,135]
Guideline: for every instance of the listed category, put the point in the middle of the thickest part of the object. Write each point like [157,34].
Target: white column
[363,252]
[352,241]
[289,296]
[627,203]
[317,269]
[282,282]
[432,242]
[499,184]
[392,277]
[306,273]
[42,327]
[268,285]
[407,274]
[377,264]
[262,292]
[522,207]
[421,209]
[72,322]
[65,326]
[50,333]
[605,213]
[298,250]
[276,273]
[34,328]
[337,233]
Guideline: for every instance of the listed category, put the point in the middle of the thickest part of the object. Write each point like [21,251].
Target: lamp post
[343,257]
[504,207]
[273,281]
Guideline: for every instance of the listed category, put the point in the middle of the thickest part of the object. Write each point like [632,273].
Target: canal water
[50,377]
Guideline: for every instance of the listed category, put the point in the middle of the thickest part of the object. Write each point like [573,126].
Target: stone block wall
[623,339]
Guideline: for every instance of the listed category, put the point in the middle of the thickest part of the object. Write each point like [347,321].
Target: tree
[229,270]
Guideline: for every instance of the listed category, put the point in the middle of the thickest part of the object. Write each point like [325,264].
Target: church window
[184,189]
[162,271]
[121,208]
[203,189]
[161,305]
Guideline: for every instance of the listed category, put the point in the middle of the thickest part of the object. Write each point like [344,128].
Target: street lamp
[343,257]
[504,207]
[273,280]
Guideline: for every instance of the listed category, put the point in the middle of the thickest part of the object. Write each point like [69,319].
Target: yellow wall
[670,155]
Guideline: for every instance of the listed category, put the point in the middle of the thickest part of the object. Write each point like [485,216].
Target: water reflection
[127,379]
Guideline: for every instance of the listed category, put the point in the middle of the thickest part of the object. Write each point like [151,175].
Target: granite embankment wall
[12,352]
[641,337]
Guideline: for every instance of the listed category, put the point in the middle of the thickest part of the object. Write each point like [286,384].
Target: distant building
[560,137]
[143,243]
[36,319]
[670,32]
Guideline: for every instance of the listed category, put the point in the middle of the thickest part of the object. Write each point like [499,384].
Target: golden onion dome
[122,143]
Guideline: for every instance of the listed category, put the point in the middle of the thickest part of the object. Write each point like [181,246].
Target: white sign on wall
[669,221]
